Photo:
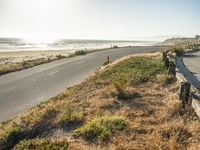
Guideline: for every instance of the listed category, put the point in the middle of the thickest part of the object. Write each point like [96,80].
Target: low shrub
[71,117]
[166,79]
[120,86]
[178,50]
[101,128]
[81,52]
[60,56]
[26,64]
[38,144]
[10,138]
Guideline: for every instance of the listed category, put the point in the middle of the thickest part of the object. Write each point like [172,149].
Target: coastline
[18,60]
[12,61]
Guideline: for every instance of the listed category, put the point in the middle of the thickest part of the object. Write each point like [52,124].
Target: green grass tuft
[38,144]
[10,137]
[71,117]
[101,128]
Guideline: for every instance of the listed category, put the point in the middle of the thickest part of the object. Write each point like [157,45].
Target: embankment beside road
[129,104]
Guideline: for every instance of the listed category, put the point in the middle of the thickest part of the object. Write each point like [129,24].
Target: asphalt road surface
[24,89]
[192,64]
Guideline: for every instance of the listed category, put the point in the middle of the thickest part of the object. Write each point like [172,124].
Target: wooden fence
[188,95]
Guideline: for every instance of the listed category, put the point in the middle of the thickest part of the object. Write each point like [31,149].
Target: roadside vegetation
[177,50]
[129,104]
[182,45]
[11,67]
[101,128]
[71,117]
[41,145]
[8,67]
[186,43]
[79,53]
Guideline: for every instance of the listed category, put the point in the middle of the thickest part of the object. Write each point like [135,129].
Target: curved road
[24,89]
[192,65]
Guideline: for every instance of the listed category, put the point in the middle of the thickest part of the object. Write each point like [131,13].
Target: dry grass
[154,114]
[41,144]
[11,67]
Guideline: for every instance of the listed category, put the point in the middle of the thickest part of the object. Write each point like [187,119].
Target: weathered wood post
[167,62]
[185,93]
[108,59]
[164,56]
[172,69]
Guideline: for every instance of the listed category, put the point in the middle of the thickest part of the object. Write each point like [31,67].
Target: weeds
[71,117]
[101,128]
[10,138]
[178,50]
[40,144]
[81,52]
[152,118]
[7,68]
[60,56]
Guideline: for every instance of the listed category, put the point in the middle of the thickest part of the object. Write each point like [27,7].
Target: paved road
[24,89]
[189,66]
[192,62]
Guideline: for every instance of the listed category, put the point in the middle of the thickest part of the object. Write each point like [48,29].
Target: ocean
[17,44]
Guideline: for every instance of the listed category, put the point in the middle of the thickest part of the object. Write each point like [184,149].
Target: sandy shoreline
[20,56]
[13,57]
[17,60]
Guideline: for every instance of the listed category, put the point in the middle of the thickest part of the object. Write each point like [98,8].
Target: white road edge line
[82,62]
[7,90]
[52,73]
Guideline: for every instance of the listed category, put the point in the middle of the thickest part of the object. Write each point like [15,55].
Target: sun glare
[38,40]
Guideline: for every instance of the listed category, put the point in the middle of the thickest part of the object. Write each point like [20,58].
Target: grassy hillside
[130,104]
[184,42]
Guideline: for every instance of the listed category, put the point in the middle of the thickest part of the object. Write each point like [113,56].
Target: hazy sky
[99,19]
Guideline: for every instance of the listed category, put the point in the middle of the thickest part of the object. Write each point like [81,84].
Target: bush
[101,128]
[166,79]
[38,144]
[81,52]
[120,86]
[10,137]
[26,64]
[178,50]
[60,56]
[71,117]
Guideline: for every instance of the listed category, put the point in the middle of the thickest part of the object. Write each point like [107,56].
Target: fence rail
[189,94]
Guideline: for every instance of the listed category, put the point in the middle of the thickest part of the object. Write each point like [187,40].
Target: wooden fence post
[164,56]
[185,93]
[172,69]
[108,59]
[167,62]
